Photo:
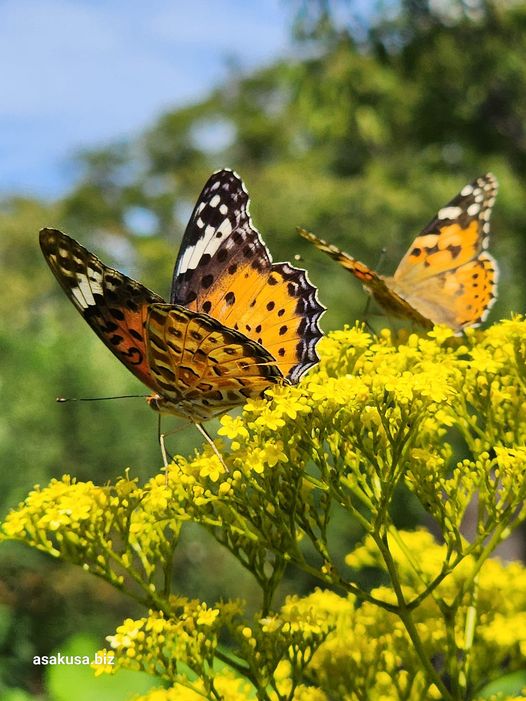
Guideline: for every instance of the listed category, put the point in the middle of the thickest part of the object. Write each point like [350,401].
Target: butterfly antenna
[63,400]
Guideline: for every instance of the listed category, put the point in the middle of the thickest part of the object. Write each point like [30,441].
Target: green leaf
[65,682]
[508,685]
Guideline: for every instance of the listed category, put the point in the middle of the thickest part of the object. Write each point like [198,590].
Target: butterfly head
[190,410]
[155,402]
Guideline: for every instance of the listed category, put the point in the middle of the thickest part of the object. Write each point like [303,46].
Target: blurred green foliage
[374,124]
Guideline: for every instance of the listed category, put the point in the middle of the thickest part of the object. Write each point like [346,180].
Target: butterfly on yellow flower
[236,322]
[447,276]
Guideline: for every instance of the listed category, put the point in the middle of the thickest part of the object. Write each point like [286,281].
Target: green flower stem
[405,616]
[494,539]
[415,603]
[335,579]
[469,636]
[150,596]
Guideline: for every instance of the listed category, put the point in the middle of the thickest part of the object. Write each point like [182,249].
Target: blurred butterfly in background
[236,322]
[447,276]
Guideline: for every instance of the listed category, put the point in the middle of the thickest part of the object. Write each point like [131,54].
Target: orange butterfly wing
[201,367]
[447,274]
[225,270]
[374,283]
[114,305]
[197,367]
[457,234]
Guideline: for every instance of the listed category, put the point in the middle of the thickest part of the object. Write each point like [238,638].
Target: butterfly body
[236,323]
[447,276]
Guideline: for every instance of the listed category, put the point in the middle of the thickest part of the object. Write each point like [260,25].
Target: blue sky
[79,73]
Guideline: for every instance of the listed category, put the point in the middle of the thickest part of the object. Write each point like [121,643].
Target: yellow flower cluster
[370,655]
[56,514]
[440,417]
[227,687]
[160,644]
[338,647]
[110,531]
[276,648]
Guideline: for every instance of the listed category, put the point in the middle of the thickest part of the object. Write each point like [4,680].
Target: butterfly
[446,276]
[236,322]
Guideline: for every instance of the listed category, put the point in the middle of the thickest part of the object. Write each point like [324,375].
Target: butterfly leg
[164,453]
[161,438]
[210,440]
[370,328]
